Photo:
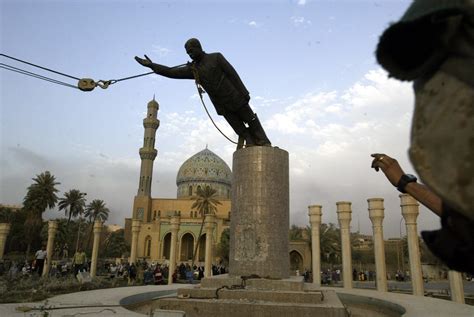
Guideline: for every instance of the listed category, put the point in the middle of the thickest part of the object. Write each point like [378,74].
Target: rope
[31,64]
[209,115]
[24,72]
[200,91]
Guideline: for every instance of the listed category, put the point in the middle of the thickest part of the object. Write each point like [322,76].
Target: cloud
[254,24]
[330,136]
[161,51]
[300,21]
[301,2]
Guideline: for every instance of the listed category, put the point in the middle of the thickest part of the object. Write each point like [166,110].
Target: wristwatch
[404,180]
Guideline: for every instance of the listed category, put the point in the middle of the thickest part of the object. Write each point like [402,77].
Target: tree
[16,237]
[40,196]
[96,210]
[115,244]
[73,204]
[330,243]
[206,204]
[296,233]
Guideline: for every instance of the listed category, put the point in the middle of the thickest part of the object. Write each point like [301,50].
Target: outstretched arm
[394,172]
[183,72]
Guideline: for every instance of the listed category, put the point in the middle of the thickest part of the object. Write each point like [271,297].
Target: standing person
[224,87]
[79,260]
[433,46]
[40,258]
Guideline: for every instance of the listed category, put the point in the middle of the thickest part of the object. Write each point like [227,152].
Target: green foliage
[72,203]
[40,196]
[16,238]
[206,204]
[22,290]
[96,210]
[115,244]
[330,241]
[295,233]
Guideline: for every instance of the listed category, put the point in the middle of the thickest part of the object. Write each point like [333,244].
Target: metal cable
[31,64]
[24,72]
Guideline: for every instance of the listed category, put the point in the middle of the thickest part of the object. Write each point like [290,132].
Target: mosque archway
[187,247]
[202,248]
[296,261]
[167,246]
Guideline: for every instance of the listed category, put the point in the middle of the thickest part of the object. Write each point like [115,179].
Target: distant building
[11,207]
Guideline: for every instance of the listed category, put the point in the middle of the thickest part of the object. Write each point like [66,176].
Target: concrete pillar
[52,227]
[344,217]
[376,215]
[210,224]
[4,230]
[136,225]
[95,247]
[456,286]
[315,213]
[174,241]
[410,212]
[260,213]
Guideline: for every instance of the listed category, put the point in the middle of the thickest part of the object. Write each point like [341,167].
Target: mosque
[149,231]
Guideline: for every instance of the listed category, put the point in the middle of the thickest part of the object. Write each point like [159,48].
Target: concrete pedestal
[260,213]
[229,296]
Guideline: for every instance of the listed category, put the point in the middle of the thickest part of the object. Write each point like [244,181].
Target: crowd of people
[144,273]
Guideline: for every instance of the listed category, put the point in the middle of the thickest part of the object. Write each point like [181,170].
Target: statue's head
[194,49]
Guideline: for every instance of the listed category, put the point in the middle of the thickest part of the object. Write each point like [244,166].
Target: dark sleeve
[183,72]
[232,74]
[454,242]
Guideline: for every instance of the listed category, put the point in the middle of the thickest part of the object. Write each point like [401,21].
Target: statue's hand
[389,166]
[143,62]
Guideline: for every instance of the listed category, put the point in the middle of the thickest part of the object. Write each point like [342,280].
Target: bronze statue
[224,87]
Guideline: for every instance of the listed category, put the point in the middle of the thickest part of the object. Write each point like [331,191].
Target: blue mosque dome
[203,169]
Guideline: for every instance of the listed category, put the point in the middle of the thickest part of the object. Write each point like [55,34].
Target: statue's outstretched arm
[183,72]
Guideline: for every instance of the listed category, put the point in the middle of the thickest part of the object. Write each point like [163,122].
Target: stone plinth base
[260,213]
[234,297]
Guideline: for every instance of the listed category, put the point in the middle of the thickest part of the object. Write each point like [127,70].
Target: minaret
[148,151]
[142,201]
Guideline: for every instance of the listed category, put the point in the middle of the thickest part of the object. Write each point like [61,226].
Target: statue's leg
[239,127]
[256,130]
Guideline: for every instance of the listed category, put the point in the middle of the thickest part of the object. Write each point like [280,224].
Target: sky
[309,66]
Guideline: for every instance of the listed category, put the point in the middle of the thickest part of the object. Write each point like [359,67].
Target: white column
[136,224]
[315,213]
[456,286]
[410,213]
[210,223]
[376,215]
[4,230]
[174,240]
[52,227]
[95,247]
[344,217]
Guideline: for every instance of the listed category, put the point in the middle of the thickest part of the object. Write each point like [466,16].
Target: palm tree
[330,242]
[40,196]
[296,233]
[96,210]
[73,203]
[206,204]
